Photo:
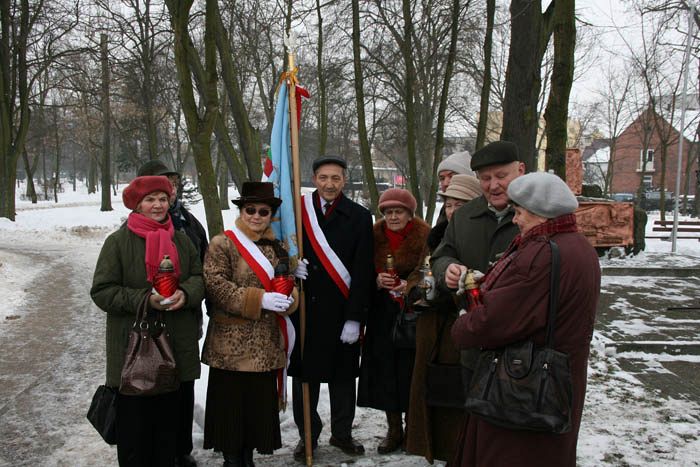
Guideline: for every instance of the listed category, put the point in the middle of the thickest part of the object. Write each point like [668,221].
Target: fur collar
[411,252]
[267,233]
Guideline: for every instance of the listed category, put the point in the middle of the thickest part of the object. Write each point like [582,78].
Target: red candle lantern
[282,282]
[472,291]
[165,282]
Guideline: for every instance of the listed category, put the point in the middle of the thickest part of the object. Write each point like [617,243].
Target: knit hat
[318,162]
[145,185]
[543,194]
[257,192]
[498,152]
[463,187]
[155,167]
[457,163]
[397,197]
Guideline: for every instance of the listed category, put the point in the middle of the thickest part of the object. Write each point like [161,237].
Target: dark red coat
[516,308]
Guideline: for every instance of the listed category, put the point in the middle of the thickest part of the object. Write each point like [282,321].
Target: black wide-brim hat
[257,192]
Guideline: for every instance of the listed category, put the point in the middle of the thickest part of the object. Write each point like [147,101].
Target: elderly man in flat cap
[338,244]
[481,230]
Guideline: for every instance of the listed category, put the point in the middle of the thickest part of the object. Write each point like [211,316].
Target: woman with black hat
[249,339]
[124,274]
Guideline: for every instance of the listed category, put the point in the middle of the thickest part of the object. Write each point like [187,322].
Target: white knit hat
[457,163]
[543,194]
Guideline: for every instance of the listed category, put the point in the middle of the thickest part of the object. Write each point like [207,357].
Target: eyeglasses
[251,210]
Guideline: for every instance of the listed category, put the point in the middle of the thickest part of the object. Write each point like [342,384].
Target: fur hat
[457,163]
[397,198]
[257,192]
[145,185]
[543,194]
[463,187]
[323,160]
[155,167]
[498,152]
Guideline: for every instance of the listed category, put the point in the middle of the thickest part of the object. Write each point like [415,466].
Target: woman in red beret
[385,373]
[128,262]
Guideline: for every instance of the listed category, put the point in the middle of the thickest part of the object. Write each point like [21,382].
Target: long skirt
[242,411]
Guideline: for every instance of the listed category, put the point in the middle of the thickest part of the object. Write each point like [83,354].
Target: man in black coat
[338,244]
[184,221]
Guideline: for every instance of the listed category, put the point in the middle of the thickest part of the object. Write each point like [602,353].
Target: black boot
[233,460]
[247,457]
[394,435]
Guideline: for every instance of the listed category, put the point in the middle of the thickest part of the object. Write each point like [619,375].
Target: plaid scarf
[561,224]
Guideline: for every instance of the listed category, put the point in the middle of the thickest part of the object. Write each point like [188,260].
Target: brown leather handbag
[149,364]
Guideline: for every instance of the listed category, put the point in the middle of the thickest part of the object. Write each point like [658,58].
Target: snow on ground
[625,422]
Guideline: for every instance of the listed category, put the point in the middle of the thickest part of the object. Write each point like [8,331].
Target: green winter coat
[474,238]
[120,283]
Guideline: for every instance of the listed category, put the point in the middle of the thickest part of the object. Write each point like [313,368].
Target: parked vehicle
[652,201]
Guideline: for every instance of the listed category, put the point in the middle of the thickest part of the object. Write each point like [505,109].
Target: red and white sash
[263,269]
[331,263]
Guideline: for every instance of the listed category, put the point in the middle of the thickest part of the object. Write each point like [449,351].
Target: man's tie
[326,207]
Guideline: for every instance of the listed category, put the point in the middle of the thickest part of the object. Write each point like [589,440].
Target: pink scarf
[159,241]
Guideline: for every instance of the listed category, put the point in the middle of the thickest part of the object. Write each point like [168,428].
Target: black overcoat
[348,229]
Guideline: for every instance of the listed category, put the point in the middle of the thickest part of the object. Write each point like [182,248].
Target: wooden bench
[686,229]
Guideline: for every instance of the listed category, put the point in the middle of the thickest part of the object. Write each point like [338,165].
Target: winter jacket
[474,238]
[118,286]
[241,336]
[431,431]
[385,376]
[515,309]
[348,229]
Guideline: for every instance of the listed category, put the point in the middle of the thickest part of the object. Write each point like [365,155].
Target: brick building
[641,148]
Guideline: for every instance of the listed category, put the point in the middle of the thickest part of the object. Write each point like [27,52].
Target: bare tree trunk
[323,104]
[530,31]
[249,136]
[57,168]
[365,153]
[439,136]
[486,83]
[410,78]
[14,90]
[556,114]
[106,128]
[29,169]
[199,129]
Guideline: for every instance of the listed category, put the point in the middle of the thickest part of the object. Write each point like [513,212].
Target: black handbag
[102,413]
[403,334]
[521,387]
[444,386]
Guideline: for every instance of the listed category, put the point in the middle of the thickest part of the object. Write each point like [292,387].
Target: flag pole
[296,173]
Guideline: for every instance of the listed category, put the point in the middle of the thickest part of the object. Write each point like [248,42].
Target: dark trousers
[342,396]
[184,427]
[146,429]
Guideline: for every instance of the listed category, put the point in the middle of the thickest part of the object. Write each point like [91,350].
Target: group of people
[358,279]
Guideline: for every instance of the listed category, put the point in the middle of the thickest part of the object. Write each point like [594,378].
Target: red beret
[397,197]
[145,185]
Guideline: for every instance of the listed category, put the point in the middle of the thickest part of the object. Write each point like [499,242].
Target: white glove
[301,272]
[276,302]
[351,332]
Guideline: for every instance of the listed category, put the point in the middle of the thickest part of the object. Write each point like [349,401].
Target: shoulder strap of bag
[553,294]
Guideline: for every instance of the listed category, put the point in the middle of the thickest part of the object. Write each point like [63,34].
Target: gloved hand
[276,302]
[351,332]
[301,272]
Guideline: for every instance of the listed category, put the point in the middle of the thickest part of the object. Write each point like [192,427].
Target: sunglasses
[251,210]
